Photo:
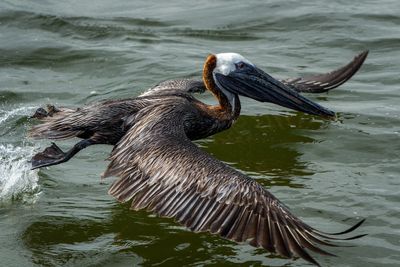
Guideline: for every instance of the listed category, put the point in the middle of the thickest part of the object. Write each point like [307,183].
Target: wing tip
[325,82]
[350,229]
[360,58]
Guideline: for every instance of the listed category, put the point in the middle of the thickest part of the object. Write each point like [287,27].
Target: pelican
[161,170]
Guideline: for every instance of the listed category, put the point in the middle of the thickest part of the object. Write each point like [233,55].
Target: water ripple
[81,27]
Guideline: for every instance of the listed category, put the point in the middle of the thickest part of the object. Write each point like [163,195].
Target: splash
[17,181]
[6,114]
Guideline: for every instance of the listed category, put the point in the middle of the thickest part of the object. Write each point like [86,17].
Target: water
[329,173]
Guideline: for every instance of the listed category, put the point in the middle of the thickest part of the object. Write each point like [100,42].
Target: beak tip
[330,115]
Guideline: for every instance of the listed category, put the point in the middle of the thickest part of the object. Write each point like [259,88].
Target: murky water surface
[328,173]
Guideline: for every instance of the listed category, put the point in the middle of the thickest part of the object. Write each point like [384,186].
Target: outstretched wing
[161,170]
[324,82]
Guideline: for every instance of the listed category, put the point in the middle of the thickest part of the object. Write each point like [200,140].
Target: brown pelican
[103,122]
[161,170]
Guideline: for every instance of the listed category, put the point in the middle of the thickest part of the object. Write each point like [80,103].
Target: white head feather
[226,62]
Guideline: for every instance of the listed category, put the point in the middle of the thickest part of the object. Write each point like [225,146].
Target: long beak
[255,83]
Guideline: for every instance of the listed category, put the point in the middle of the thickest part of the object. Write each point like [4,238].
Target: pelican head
[235,75]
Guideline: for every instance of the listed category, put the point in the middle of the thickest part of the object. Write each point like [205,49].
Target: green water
[329,173]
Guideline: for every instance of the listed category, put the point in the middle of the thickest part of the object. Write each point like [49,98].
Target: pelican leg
[53,155]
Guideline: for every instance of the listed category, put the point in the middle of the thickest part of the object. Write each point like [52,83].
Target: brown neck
[208,78]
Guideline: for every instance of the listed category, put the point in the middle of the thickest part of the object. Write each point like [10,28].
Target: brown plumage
[161,170]
[324,82]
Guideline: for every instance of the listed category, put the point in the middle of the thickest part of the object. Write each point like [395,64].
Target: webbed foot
[41,113]
[52,155]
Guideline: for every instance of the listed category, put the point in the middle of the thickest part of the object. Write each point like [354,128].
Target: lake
[330,173]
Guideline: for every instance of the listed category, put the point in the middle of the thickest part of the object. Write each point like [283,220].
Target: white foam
[17,181]
[6,114]
[16,178]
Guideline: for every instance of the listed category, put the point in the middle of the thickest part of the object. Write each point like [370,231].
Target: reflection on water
[136,237]
[265,145]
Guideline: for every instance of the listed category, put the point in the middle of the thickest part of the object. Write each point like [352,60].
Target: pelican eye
[240,65]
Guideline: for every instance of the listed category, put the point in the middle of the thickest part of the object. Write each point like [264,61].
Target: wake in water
[17,181]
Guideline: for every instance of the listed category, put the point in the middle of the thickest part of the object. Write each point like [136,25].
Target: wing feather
[161,170]
[324,82]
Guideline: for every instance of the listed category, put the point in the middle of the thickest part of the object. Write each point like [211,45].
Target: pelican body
[161,170]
